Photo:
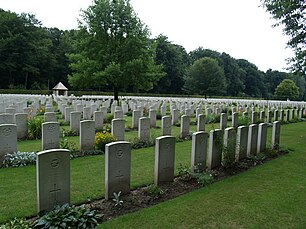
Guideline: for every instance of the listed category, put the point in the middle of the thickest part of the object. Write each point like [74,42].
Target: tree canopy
[291,14]
[287,90]
[114,49]
[206,77]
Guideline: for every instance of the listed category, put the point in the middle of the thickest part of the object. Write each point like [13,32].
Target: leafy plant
[103,138]
[35,128]
[67,216]
[117,199]
[108,118]
[16,223]
[258,158]
[136,143]
[154,191]
[228,160]
[243,121]
[204,179]
[184,172]
[19,159]
[71,146]
[69,133]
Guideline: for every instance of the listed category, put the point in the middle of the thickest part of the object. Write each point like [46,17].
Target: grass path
[269,196]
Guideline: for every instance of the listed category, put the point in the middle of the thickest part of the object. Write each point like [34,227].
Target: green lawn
[269,196]
[18,188]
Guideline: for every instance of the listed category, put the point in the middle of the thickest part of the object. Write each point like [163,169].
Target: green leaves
[291,14]
[114,49]
[287,89]
[67,216]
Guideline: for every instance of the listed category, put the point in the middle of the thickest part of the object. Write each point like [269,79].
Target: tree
[206,77]
[175,61]
[291,14]
[113,48]
[287,89]
[253,79]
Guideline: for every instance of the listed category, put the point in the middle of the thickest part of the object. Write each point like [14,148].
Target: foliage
[68,133]
[35,128]
[243,121]
[67,216]
[184,172]
[206,77]
[287,89]
[204,179]
[103,138]
[16,223]
[213,118]
[175,61]
[114,49]
[154,191]
[117,199]
[291,14]
[41,52]
[70,145]
[108,118]
[19,159]
[229,151]
[258,158]
[136,143]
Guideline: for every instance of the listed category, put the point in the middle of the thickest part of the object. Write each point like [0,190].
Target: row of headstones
[53,166]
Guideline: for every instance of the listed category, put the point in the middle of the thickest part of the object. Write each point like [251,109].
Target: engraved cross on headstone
[54,192]
[119,176]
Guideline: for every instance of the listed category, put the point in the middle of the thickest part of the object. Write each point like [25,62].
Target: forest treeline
[36,57]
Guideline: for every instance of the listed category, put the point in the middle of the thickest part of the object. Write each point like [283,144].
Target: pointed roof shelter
[60,89]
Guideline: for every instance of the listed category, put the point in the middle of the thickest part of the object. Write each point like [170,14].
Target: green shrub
[184,172]
[154,191]
[35,128]
[204,179]
[16,224]
[243,121]
[136,143]
[103,138]
[129,113]
[67,216]
[19,159]
[108,118]
[69,133]
[229,151]
[71,146]
[213,118]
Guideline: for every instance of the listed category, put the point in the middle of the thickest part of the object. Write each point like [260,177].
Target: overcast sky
[240,28]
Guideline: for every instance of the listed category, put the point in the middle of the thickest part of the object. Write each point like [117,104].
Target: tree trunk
[26,80]
[116,94]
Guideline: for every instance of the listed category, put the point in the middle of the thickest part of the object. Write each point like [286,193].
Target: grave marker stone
[53,178]
[164,159]
[199,151]
[50,135]
[87,135]
[117,168]
[215,149]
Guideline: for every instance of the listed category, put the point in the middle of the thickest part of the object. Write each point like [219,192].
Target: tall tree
[175,61]
[291,14]
[206,77]
[254,78]
[287,89]
[113,48]
[234,75]
[24,48]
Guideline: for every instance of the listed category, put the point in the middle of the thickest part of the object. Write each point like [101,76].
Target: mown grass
[269,196]
[18,187]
